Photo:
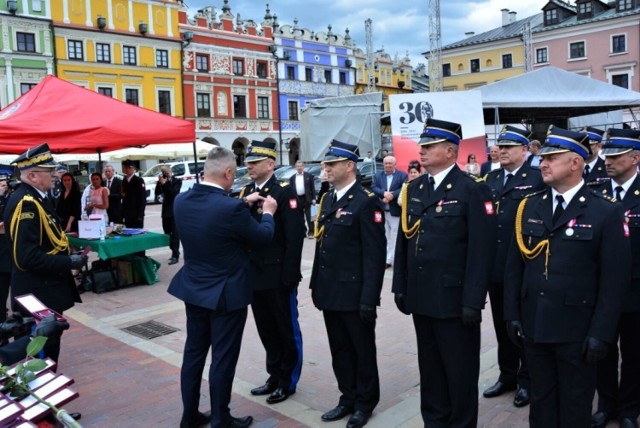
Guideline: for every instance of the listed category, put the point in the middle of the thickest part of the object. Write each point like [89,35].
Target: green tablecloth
[116,246]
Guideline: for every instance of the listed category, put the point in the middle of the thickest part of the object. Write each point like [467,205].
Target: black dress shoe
[76,416]
[628,423]
[522,397]
[600,419]
[278,396]
[173,260]
[498,389]
[201,419]
[337,413]
[358,419]
[242,422]
[265,389]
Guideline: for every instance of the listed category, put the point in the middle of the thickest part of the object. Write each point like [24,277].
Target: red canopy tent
[72,119]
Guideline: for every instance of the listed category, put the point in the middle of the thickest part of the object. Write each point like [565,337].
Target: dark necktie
[559,209]
[109,184]
[432,183]
[508,179]
[619,190]
[334,199]
[587,170]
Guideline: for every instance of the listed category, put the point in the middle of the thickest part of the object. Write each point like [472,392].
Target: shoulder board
[539,192]
[603,196]
[493,172]
[369,192]
[475,178]
[284,183]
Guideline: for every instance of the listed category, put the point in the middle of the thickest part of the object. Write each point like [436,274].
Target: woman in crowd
[472,167]
[98,202]
[414,170]
[68,208]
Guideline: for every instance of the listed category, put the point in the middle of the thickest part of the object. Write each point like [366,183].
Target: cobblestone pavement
[127,381]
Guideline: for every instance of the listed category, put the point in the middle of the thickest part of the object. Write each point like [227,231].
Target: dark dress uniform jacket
[587,273]
[134,201]
[631,205]
[115,200]
[216,231]
[348,267]
[599,171]
[526,181]
[170,190]
[47,276]
[276,263]
[446,265]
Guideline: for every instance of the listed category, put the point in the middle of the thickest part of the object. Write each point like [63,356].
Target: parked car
[367,170]
[185,171]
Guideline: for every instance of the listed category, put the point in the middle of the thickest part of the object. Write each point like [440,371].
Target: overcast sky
[400,26]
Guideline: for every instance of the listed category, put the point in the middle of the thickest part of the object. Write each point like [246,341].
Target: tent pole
[100,161]
[195,159]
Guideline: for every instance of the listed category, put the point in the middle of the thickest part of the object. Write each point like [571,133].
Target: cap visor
[508,143]
[615,151]
[430,140]
[552,150]
[330,159]
[255,158]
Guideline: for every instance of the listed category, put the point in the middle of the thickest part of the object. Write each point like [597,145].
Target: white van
[185,171]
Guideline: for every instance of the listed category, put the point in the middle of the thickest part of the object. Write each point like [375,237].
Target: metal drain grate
[150,329]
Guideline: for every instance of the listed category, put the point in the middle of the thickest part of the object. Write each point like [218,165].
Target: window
[131,96]
[106,91]
[475,65]
[26,87]
[239,106]
[625,5]
[618,44]
[263,108]
[293,110]
[621,80]
[327,76]
[507,61]
[551,16]
[238,67]
[162,58]
[103,52]
[576,50]
[202,63]
[343,77]
[129,55]
[75,49]
[541,56]
[164,102]
[446,70]
[308,74]
[203,105]
[26,42]
[585,10]
[291,72]
[261,69]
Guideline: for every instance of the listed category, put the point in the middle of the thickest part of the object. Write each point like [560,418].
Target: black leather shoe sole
[278,396]
[358,419]
[265,389]
[239,422]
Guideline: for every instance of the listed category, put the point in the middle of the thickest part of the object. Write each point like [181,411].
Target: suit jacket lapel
[544,210]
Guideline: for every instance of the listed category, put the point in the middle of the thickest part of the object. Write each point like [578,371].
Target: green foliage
[35,345]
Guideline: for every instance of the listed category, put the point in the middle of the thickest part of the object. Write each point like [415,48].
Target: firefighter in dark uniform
[621,399]
[594,168]
[346,280]
[5,249]
[40,250]
[441,272]
[275,274]
[509,185]
[567,269]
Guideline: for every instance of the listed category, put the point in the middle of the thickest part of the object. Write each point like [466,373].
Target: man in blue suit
[216,232]
[387,185]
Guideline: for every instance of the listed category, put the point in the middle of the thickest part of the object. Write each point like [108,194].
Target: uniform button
[321,267]
[551,235]
[421,230]
[324,252]
[542,293]
[584,302]
[499,226]
[420,249]
[419,267]
[499,241]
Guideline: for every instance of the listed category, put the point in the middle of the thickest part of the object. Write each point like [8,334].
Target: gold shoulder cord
[55,234]
[408,232]
[242,193]
[538,249]
[317,233]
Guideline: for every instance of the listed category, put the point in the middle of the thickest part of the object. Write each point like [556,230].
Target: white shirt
[441,175]
[300,184]
[625,186]
[340,193]
[514,172]
[568,195]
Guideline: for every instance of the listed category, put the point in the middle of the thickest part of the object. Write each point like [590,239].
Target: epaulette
[369,192]
[284,183]
[493,171]
[603,196]
[535,193]
[475,178]
[598,181]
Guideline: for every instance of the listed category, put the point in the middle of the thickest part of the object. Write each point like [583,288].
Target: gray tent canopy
[551,94]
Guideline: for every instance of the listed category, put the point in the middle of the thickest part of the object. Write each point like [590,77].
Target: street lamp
[274,51]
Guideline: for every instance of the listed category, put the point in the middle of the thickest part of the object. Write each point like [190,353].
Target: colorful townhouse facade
[26,46]
[125,49]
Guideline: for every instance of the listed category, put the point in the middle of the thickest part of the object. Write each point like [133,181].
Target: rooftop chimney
[505,16]
[512,16]
[469,33]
